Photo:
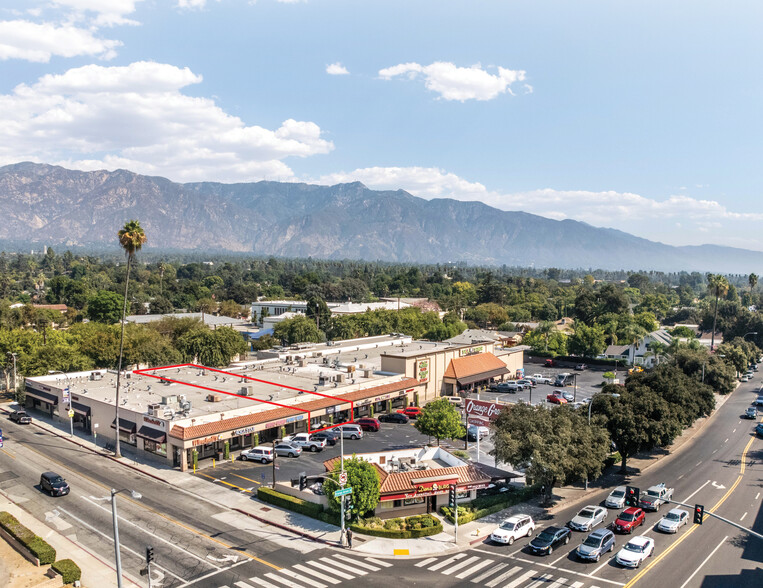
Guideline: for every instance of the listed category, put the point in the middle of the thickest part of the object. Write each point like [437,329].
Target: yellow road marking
[247,479]
[8,454]
[638,576]
[219,481]
[157,513]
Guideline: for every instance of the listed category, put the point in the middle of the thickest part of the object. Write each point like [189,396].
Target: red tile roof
[239,422]
[471,365]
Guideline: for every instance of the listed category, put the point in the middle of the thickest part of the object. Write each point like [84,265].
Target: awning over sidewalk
[81,409]
[44,396]
[124,425]
[482,376]
[151,434]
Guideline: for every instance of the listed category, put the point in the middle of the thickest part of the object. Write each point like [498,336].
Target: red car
[554,399]
[549,363]
[629,519]
[411,412]
[368,424]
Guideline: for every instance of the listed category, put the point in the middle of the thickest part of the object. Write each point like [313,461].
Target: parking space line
[219,481]
[247,479]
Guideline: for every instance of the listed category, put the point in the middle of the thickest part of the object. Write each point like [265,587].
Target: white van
[456,401]
[351,431]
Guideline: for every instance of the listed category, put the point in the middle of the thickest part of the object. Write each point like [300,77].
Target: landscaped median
[35,548]
[487,505]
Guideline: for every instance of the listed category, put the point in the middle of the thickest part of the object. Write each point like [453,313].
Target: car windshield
[587,513]
[57,480]
[592,542]
[506,526]
[673,516]
[627,516]
[546,536]
[635,547]
[652,494]
[618,493]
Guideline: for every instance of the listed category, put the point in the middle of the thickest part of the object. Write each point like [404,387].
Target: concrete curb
[303,534]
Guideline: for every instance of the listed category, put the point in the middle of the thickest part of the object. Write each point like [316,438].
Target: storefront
[126,431]
[468,373]
[41,400]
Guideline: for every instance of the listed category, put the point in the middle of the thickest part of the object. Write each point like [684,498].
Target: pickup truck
[21,417]
[655,497]
[306,442]
[540,379]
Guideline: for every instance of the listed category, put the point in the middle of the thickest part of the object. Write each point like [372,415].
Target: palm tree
[545,328]
[753,281]
[633,333]
[657,349]
[718,286]
[131,239]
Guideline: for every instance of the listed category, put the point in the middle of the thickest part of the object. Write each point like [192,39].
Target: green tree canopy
[299,329]
[587,341]
[363,478]
[441,420]
[104,307]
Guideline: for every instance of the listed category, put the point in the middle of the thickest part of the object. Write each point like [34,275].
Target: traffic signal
[149,554]
[699,514]
[631,495]
[452,496]
[302,482]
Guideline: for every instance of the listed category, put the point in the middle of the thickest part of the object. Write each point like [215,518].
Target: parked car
[54,484]
[368,424]
[596,544]
[635,551]
[541,379]
[655,496]
[674,520]
[526,383]
[629,519]
[20,416]
[759,429]
[555,398]
[412,412]
[549,363]
[758,401]
[330,435]
[744,378]
[751,413]
[580,367]
[456,401]
[588,518]
[562,380]
[548,539]
[306,442]
[513,528]
[351,431]
[509,387]
[616,498]
[750,374]
[568,396]
[393,417]
[284,449]
[261,453]
[474,430]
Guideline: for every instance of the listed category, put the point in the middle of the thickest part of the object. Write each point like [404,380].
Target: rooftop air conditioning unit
[367,373]
[350,369]
[339,378]
[185,406]
[247,391]
[302,362]
[214,398]
[167,400]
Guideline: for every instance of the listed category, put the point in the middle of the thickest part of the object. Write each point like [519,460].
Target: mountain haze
[50,205]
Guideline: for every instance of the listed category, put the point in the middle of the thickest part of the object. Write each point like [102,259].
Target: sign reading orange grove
[480,409]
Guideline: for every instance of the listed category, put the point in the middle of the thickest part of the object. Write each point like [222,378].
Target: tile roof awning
[483,376]
[80,408]
[44,396]
[124,425]
[473,368]
[151,434]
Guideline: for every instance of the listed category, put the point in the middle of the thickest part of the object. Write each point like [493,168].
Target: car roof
[631,510]
[621,488]
[50,474]
[515,518]
[600,533]
[552,529]
[639,540]
[677,511]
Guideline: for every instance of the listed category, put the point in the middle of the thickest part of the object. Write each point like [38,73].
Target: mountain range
[50,205]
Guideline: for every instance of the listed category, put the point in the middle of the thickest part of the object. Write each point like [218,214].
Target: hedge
[290,502]
[411,527]
[487,505]
[68,569]
[37,546]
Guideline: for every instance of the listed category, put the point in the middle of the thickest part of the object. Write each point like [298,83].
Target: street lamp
[590,405]
[136,496]
[68,398]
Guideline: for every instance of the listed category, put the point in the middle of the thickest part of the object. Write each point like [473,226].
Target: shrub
[393,524]
[487,505]
[226,450]
[42,550]
[461,454]
[68,569]
[37,546]
[290,502]
[612,459]
[410,528]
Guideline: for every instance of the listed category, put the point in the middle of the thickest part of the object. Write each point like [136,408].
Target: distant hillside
[49,205]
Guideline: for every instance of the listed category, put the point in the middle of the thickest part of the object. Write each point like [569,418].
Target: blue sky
[640,116]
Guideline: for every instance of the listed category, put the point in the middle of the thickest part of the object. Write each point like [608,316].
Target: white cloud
[21,39]
[336,69]
[191,3]
[137,117]
[629,212]
[107,12]
[459,83]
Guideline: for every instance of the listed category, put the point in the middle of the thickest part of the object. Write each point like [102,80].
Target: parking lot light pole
[136,496]
[341,498]
[274,464]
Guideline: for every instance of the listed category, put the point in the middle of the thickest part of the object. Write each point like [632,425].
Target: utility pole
[341,485]
[274,464]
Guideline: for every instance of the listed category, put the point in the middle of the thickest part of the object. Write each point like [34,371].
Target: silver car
[588,518]
[672,521]
[288,450]
[616,498]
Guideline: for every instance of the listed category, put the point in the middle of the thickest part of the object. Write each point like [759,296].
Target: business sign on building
[153,421]
[422,371]
[479,410]
[471,350]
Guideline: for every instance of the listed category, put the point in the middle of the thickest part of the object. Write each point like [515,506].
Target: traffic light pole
[341,502]
[720,518]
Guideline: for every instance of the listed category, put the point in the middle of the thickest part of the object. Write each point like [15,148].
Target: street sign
[65,394]
[342,492]
[71,413]
[342,478]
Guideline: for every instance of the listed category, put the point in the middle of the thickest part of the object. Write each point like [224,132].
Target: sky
[640,116]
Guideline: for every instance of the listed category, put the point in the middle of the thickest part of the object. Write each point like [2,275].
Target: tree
[299,329]
[363,478]
[231,308]
[441,420]
[718,286]
[103,307]
[131,239]
[753,281]
[318,310]
[160,305]
[587,341]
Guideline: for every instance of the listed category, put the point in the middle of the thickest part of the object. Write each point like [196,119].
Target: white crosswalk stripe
[526,576]
[502,577]
[329,569]
[357,562]
[425,562]
[558,583]
[474,569]
[342,566]
[379,562]
[288,583]
[543,580]
[312,583]
[490,572]
[446,562]
[454,568]
[309,572]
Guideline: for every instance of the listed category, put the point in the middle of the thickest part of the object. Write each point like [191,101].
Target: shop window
[397,503]
[128,438]
[412,501]
[154,447]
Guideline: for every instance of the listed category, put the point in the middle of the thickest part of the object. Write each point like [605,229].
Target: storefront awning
[152,434]
[44,396]
[81,409]
[482,376]
[124,425]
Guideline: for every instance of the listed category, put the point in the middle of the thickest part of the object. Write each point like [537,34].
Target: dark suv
[54,484]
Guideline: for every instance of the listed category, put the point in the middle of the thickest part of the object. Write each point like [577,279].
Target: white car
[744,378]
[306,442]
[672,521]
[616,498]
[588,518]
[635,551]
[513,528]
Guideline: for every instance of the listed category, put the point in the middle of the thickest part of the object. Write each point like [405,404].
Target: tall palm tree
[753,281]
[131,239]
[633,334]
[718,286]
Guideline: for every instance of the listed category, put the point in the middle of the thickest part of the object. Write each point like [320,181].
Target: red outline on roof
[143,372]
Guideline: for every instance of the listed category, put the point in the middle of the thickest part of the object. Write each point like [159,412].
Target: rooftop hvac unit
[350,369]
[165,381]
[185,406]
[247,391]
[96,376]
[302,362]
[367,373]
[167,400]
[322,380]
[339,378]
[155,409]
[214,398]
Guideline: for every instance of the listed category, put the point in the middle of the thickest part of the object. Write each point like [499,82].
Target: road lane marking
[272,576]
[329,569]
[8,454]
[526,576]
[341,566]
[356,562]
[379,562]
[499,579]
[699,462]
[734,431]
[544,579]
[309,572]
[757,496]
[247,479]
[714,452]
[741,519]
[712,553]
[727,439]
[475,568]
[221,481]
[459,565]
[446,562]
[490,572]
[213,573]
[425,562]
[697,490]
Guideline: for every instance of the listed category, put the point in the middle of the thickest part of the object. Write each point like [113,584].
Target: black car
[54,484]
[330,435]
[393,417]
[551,537]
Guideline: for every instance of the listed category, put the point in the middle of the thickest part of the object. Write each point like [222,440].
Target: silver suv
[595,544]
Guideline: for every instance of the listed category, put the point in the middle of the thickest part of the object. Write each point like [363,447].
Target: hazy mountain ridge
[50,205]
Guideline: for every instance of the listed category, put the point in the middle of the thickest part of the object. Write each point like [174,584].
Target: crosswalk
[318,573]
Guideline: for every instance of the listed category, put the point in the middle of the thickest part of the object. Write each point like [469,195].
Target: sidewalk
[202,486]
